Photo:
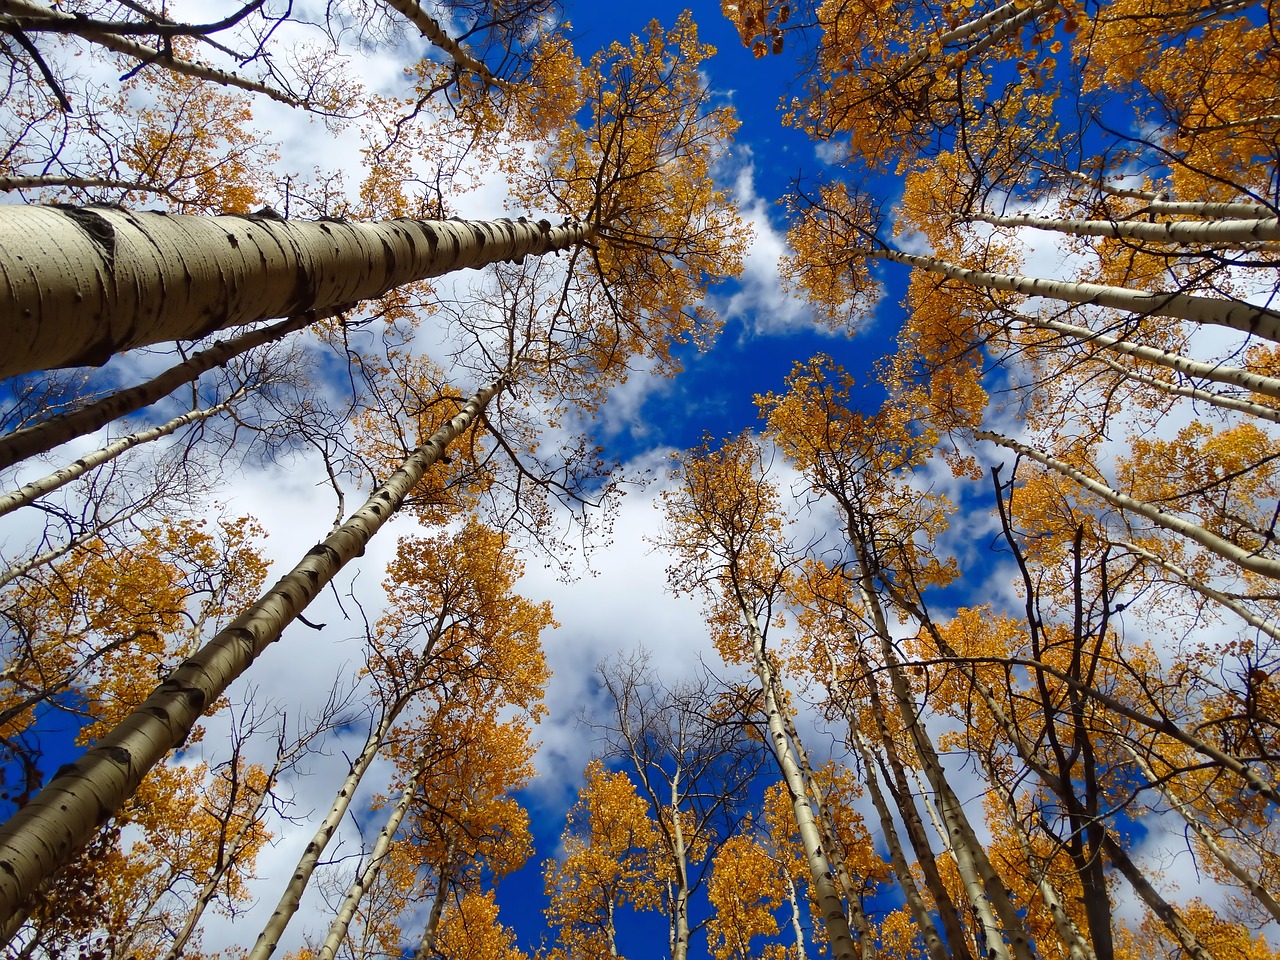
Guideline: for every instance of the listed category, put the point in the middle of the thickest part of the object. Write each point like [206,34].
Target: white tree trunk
[830,907]
[431,29]
[1262,624]
[81,284]
[1192,819]
[1247,559]
[1247,407]
[1217,373]
[30,492]
[44,436]
[287,906]
[1258,321]
[43,835]
[377,857]
[1220,232]
[897,858]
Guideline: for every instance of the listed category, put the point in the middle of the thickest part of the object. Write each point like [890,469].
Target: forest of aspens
[829,455]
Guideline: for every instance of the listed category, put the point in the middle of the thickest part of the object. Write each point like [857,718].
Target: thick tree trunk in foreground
[44,835]
[81,284]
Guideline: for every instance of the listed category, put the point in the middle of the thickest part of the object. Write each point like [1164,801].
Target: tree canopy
[297,445]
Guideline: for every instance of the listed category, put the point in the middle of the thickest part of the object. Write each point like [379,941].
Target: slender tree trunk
[1260,893]
[377,857]
[1247,407]
[1236,314]
[1148,894]
[680,900]
[796,929]
[835,854]
[437,909]
[291,897]
[1217,373]
[44,436]
[45,834]
[29,492]
[903,798]
[1247,559]
[210,887]
[1077,946]
[901,868]
[970,856]
[92,282]
[431,29]
[1185,232]
[53,553]
[94,33]
[830,907]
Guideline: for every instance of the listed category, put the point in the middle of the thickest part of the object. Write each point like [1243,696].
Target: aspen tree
[725,521]
[691,765]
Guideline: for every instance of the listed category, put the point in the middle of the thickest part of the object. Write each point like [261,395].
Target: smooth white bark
[29,492]
[81,284]
[140,51]
[44,436]
[43,835]
[1246,559]
[1214,372]
[1247,407]
[1178,232]
[1236,314]
[830,907]
[431,29]
[377,857]
[1192,820]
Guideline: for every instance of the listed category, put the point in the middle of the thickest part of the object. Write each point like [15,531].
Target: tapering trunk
[53,553]
[30,492]
[901,868]
[983,886]
[904,800]
[797,930]
[1266,625]
[431,29]
[1225,402]
[45,834]
[1247,559]
[210,887]
[1185,232]
[1260,893]
[1214,372]
[835,855]
[81,284]
[1077,946]
[44,436]
[1162,908]
[291,897]
[377,857]
[830,907]
[1236,314]
[79,26]
[437,910]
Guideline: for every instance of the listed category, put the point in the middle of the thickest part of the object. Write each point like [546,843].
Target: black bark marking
[99,230]
[118,755]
